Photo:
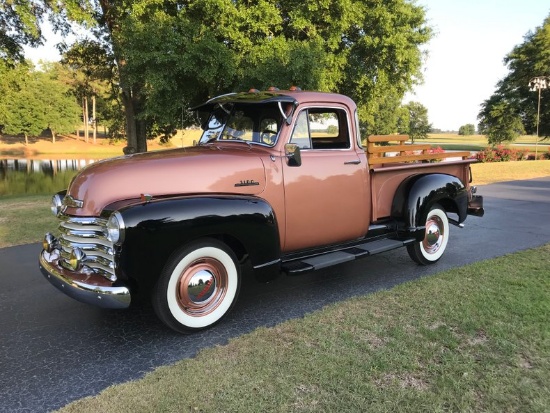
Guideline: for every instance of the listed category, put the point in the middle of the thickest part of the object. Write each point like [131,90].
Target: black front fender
[155,229]
[416,195]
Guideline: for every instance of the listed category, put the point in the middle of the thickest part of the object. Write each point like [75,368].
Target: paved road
[54,350]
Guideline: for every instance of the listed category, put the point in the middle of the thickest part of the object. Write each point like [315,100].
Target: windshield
[254,123]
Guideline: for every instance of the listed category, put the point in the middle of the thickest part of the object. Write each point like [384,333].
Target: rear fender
[417,194]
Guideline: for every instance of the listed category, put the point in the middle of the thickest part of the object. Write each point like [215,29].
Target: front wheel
[431,248]
[198,285]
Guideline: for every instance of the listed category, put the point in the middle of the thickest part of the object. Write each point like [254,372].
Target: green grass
[475,338]
[486,173]
[25,219]
[449,141]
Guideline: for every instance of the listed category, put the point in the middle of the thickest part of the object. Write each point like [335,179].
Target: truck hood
[196,170]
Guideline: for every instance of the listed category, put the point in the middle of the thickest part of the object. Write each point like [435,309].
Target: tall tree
[11,77]
[418,125]
[40,101]
[512,109]
[170,54]
[58,107]
[500,122]
[22,116]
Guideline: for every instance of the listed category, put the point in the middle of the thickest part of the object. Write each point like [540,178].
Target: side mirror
[292,152]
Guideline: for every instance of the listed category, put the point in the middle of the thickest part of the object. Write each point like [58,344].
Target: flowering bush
[435,151]
[430,151]
[501,154]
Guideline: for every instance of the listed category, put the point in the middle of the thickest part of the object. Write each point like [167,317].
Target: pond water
[38,176]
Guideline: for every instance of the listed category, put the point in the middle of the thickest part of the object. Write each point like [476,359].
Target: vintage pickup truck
[279,178]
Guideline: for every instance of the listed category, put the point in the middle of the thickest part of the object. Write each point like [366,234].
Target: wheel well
[233,243]
[236,245]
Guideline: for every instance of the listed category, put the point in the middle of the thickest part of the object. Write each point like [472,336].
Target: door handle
[357,162]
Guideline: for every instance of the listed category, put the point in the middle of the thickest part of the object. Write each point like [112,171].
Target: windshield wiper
[209,140]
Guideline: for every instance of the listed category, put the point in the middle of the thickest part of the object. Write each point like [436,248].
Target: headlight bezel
[115,230]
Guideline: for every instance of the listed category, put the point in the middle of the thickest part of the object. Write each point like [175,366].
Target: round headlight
[56,204]
[115,228]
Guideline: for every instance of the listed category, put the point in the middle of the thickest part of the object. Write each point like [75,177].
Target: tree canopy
[164,56]
[466,130]
[512,109]
[35,100]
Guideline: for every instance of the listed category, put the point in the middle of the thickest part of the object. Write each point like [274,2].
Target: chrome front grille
[88,234]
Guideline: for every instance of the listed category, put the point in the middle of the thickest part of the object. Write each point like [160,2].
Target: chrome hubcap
[434,235]
[202,286]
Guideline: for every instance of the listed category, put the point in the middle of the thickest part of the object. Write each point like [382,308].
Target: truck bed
[391,163]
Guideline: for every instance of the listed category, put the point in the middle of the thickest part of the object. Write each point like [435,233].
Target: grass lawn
[486,173]
[476,338]
[25,219]
[449,141]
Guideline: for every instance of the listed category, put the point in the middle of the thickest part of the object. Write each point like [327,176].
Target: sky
[465,57]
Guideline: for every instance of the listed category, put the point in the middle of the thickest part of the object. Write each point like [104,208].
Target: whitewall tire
[431,248]
[198,286]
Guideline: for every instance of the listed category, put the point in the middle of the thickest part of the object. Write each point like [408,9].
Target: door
[326,197]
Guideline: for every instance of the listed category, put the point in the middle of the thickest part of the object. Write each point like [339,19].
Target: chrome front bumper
[88,288]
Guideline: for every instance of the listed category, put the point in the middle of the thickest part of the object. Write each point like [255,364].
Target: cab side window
[321,129]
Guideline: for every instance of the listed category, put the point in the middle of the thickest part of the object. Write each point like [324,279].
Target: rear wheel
[197,287]
[431,248]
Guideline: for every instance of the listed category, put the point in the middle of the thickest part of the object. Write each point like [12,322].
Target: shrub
[435,151]
[500,154]
[429,151]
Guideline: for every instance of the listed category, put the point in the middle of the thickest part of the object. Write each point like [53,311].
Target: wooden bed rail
[405,152]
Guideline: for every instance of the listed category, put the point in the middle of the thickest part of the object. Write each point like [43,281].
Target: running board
[317,262]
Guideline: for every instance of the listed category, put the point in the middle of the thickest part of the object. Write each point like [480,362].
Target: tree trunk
[131,145]
[83,119]
[87,116]
[141,136]
[94,123]
[135,129]
[53,135]
[26,139]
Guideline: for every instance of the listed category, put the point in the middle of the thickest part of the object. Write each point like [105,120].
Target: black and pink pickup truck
[280,180]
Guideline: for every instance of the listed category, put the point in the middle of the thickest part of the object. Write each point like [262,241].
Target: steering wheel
[268,136]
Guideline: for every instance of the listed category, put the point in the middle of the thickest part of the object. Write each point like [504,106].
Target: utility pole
[537,84]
